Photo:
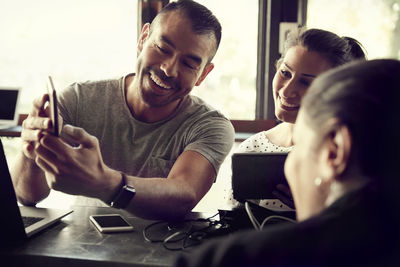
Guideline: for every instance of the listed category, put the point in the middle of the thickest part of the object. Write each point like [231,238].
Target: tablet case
[255,175]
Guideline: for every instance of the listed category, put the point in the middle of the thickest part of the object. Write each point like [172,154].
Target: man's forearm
[173,197]
[160,198]
[29,181]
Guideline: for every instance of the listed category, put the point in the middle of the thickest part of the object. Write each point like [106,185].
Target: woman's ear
[343,141]
[337,148]
[143,37]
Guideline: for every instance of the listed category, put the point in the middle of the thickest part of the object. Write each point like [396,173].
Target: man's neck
[141,110]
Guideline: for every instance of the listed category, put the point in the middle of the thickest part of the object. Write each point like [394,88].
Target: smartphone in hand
[107,223]
[53,106]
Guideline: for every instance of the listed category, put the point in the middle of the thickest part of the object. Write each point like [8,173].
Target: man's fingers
[49,173]
[31,135]
[47,159]
[28,149]
[43,165]
[38,105]
[33,122]
[52,148]
[78,135]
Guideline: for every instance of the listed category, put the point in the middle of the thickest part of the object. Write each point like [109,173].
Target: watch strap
[124,194]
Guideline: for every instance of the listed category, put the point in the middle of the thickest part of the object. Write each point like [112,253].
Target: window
[231,85]
[96,39]
[71,40]
[376,24]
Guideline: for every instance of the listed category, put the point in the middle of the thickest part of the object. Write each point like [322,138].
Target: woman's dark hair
[363,96]
[337,50]
[202,19]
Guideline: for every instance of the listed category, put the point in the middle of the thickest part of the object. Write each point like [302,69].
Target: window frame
[271,14]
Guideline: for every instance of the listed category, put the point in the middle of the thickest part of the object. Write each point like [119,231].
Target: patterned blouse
[260,143]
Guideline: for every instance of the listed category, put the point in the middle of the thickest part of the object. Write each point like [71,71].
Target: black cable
[183,236]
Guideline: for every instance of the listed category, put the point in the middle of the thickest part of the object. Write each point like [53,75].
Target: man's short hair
[202,19]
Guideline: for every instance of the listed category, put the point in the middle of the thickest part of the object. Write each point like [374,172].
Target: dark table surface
[74,241]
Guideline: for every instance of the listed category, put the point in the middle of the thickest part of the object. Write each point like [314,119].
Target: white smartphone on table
[107,223]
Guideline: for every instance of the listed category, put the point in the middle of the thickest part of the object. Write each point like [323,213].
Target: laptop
[17,223]
[256,175]
[9,100]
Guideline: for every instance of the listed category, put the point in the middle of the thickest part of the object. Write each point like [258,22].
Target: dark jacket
[359,229]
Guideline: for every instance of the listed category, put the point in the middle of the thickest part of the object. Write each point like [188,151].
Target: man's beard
[154,100]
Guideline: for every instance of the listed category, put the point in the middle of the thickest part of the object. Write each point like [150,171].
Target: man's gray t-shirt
[139,148]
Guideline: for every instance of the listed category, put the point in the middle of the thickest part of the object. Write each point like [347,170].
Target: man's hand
[77,170]
[34,125]
[37,122]
[28,179]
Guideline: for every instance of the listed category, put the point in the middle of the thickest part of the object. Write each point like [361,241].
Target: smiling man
[140,142]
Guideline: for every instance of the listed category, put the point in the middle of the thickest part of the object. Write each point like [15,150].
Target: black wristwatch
[124,195]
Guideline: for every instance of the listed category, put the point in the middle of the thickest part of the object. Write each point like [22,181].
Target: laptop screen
[9,98]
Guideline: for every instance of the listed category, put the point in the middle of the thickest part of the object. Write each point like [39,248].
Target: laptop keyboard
[30,220]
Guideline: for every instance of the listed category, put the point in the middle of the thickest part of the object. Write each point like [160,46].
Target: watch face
[129,188]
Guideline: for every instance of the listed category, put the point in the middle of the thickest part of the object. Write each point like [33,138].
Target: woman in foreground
[344,177]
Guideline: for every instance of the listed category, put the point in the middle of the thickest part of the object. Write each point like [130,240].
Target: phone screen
[53,105]
[110,223]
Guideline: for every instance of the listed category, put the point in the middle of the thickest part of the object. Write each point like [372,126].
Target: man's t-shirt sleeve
[213,138]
